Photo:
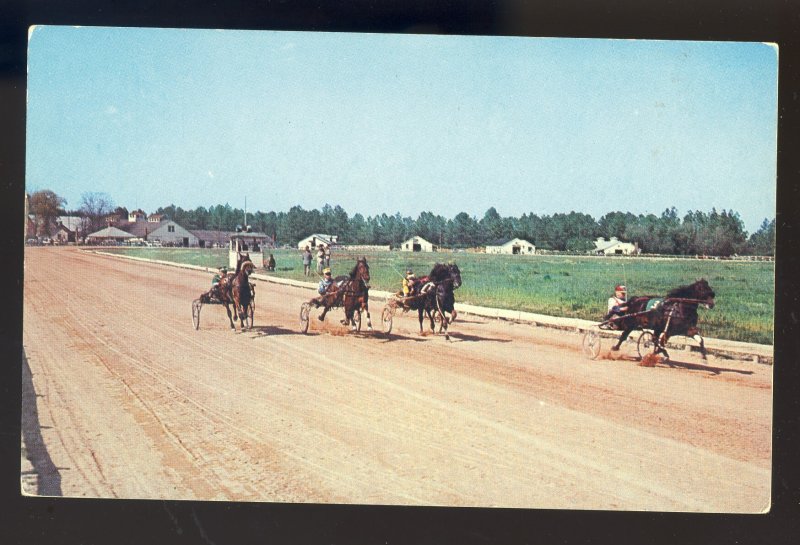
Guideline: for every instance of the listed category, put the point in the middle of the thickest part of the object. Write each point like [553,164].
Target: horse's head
[361,270]
[455,275]
[703,292]
[699,291]
[247,267]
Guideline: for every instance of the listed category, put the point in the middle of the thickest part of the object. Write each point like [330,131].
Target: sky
[386,123]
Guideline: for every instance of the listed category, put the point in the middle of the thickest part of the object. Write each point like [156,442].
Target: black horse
[436,295]
[675,314]
[351,292]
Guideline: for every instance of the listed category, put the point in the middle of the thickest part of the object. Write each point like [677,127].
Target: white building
[614,247]
[514,246]
[416,244]
[171,234]
[313,241]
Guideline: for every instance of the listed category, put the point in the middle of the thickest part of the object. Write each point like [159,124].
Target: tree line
[717,233]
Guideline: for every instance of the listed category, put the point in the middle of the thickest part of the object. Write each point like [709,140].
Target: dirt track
[130,401]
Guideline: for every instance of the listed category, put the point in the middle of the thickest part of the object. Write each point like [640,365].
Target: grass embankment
[576,287]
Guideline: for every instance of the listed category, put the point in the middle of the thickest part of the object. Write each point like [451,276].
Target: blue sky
[402,123]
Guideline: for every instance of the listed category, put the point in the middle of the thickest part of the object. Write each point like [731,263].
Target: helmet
[621,288]
[326,270]
[409,271]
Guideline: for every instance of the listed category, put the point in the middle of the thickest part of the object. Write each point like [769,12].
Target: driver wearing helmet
[325,282]
[618,303]
[214,291]
[408,282]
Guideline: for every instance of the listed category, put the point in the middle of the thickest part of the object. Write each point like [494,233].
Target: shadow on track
[48,475]
[714,370]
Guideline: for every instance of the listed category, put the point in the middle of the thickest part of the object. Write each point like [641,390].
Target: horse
[234,289]
[350,291]
[437,289]
[676,314]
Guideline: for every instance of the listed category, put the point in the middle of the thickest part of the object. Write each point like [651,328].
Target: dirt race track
[122,398]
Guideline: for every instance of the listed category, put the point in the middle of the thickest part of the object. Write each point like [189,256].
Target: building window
[171,228]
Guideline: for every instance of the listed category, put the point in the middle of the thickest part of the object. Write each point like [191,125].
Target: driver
[618,303]
[222,272]
[408,282]
[325,282]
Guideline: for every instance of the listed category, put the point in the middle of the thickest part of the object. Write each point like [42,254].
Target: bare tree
[95,206]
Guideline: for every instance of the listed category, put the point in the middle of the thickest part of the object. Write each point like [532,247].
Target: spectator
[307,261]
[271,263]
[328,256]
[320,258]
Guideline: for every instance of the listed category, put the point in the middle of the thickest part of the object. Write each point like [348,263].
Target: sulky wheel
[386,318]
[305,310]
[197,304]
[646,344]
[591,344]
[251,310]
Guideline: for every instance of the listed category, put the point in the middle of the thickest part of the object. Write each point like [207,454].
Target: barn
[313,241]
[614,247]
[513,246]
[172,234]
[416,244]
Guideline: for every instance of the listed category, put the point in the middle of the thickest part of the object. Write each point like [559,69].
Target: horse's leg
[443,325]
[420,311]
[621,339]
[699,338]
[230,318]
[365,306]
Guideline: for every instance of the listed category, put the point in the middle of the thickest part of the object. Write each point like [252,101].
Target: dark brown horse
[675,314]
[435,296]
[234,289]
[351,292]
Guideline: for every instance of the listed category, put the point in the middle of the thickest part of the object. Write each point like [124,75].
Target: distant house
[108,235]
[170,233]
[64,235]
[316,239]
[156,218]
[513,246]
[416,244]
[614,247]
[137,215]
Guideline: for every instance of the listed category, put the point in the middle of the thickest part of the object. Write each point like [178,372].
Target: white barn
[172,234]
[313,241]
[514,246]
[416,244]
[614,246]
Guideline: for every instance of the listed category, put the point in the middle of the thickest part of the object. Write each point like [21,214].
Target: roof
[417,238]
[73,223]
[137,228]
[504,241]
[602,244]
[325,239]
[110,232]
[209,235]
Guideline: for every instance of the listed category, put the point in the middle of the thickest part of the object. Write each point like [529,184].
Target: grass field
[576,287]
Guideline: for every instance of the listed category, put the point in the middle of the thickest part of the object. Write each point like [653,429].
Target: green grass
[576,287]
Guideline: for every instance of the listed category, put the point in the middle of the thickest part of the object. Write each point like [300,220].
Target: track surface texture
[125,399]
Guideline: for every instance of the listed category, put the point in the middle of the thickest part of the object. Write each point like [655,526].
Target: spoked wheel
[386,318]
[305,310]
[591,344]
[197,304]
[357,320]
[251,310]
[646,344]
